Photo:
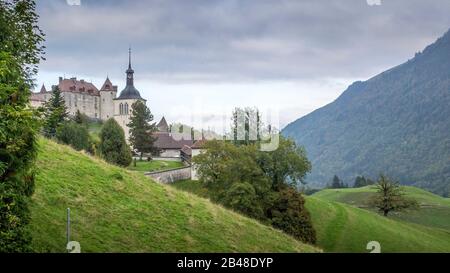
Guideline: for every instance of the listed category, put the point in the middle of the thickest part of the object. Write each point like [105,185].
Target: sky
[195,60]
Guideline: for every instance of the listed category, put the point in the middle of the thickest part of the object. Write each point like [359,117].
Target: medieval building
[100,104]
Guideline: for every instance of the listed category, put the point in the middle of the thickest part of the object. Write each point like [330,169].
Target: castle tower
[108,93]
[128,96]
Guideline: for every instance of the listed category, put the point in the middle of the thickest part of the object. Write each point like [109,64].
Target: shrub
[242,197]
[288,213]
[75,135]
[113,147]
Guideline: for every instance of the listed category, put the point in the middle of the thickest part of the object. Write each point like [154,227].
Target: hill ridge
[395,123]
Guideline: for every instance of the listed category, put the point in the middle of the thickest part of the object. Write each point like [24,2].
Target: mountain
[397,123]
[115,210]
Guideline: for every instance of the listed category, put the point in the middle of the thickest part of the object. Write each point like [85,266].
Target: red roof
[78,86]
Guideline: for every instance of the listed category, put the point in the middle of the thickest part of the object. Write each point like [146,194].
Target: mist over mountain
[396,123]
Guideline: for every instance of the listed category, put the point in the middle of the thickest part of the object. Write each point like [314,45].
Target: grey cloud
[230,40]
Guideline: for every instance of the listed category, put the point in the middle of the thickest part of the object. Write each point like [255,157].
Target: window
[121,109]
[126,108]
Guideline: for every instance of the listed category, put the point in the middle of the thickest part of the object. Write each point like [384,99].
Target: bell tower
[128,96]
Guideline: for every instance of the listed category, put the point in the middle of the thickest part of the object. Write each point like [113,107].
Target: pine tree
[113,146]
[55,113]
[141,129]
[336,184]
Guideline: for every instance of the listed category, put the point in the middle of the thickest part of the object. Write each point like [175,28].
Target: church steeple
[130,71]
[130,92]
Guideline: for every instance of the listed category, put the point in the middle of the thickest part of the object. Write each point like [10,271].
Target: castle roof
[77,86]
[108,86]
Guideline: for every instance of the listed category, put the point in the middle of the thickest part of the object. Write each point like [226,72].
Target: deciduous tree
[391,197]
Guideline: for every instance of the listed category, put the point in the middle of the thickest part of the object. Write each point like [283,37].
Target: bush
[288,213]
[242,197]
[75,135]
[113,147]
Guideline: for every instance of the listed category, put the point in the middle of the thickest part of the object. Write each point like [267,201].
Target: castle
[102,104]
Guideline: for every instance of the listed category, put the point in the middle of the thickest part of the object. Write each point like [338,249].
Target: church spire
[130,92]
[130,71]
[129,57]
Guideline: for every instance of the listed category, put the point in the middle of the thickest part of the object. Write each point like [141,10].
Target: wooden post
[68,225]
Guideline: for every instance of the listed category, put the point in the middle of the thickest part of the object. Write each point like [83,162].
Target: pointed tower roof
[163,126]
[130,92]
[43,90]
[108,86]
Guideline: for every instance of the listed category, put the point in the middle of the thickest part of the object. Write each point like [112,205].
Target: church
[97,104]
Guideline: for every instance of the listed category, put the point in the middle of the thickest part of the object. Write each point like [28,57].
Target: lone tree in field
[20,53]
[55,113]
[391,197]
[113,146]
[141,129]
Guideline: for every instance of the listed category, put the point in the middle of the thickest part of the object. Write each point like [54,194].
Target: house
[168,146]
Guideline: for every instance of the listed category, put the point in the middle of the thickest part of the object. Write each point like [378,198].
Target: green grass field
[434,210]
[116,210]
[155,165]
[344,228]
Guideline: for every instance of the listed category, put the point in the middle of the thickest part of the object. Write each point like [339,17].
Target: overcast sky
[196,59]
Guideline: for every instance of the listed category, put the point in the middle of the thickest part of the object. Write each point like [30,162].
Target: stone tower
[108,93]
[128,96]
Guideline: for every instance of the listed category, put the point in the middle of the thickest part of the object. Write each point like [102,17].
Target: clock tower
[128,96]
[130,71]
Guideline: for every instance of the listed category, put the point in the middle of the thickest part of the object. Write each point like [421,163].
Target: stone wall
[171,176]
[107,104]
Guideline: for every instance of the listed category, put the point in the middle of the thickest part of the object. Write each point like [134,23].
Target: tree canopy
[20,52]
[262,185]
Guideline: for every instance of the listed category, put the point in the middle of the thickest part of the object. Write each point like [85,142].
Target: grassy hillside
[344,228]
[115,210]
[434,210]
